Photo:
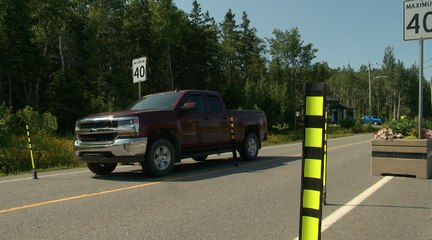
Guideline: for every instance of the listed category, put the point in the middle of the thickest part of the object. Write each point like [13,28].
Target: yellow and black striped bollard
[31,153]
[232,132]
[313,162]
[325,158]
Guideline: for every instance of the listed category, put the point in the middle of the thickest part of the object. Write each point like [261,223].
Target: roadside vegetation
[50,150]
[53,151]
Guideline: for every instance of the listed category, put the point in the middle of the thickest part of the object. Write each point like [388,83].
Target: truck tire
[159,159]
[250,147]
[101,168]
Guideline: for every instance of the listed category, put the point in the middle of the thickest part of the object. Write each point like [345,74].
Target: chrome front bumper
[120,150]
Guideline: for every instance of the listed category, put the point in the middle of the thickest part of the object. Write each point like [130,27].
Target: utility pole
[370,96]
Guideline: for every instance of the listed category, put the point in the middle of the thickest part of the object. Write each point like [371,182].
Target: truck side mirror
[189,106]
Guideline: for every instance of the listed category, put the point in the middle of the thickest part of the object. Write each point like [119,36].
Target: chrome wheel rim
[252,147]
[162,158]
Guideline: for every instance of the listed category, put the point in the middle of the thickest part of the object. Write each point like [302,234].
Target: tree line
[74,57]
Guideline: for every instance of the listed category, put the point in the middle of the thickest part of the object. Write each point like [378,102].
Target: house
[338,111]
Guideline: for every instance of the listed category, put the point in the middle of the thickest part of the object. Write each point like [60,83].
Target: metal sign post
[418,26]
[420,104]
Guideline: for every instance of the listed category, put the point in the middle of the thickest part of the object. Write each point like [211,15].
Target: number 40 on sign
[139,71]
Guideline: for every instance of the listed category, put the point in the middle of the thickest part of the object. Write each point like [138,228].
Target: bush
[360,127]
[16,157]
[49,151]
[403,126]
[43,125]
[428,124]
[280,128]
[5,122]
[347,123]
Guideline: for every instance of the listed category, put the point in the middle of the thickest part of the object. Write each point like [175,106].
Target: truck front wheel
[249,149]
[159,159]
[101,168]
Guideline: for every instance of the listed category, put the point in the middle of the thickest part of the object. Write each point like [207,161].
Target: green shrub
[360,128]
[347,123]
[428,124]
[43,125]
[16,157]
[49,123]
[402,126]
[49,151]
[5,122]
[280,128]
[54,152]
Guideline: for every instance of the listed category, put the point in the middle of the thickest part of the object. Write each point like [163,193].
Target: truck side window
[198,99]
[215,104]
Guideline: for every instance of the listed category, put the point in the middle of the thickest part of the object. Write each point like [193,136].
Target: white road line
[342,211]
[51,175]
[43,176]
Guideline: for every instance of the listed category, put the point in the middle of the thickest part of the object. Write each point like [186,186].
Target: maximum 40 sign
[417,20]
[139,69]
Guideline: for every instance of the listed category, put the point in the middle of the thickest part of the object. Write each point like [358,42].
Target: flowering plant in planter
[403,128]
[387,134]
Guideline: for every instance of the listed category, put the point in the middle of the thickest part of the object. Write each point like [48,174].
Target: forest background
[73,57]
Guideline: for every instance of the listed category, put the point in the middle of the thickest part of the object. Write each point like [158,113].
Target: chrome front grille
[98,124]
[98,137]
[97,130]
[105,130]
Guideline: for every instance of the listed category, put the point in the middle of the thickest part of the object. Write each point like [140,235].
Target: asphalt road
[217,200]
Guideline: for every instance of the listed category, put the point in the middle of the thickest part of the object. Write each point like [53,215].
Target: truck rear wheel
[250,147]
[159,159]
[101,168]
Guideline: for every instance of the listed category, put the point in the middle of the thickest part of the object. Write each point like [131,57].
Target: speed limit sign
[417,20]
[139,71]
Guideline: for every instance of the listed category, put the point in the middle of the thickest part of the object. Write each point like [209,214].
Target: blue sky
[344,32]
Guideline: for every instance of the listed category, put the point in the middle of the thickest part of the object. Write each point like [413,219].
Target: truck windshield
[159,101]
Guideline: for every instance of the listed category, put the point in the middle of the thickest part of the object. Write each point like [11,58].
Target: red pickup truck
[163,128]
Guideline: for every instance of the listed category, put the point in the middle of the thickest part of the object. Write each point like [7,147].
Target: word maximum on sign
[418,5]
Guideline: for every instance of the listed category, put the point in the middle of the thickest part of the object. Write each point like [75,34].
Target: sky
[345,33]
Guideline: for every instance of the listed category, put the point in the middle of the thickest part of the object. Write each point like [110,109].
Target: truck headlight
[77,128]
[128,126]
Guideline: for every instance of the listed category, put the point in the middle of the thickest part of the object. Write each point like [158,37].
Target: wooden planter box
[411,157]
